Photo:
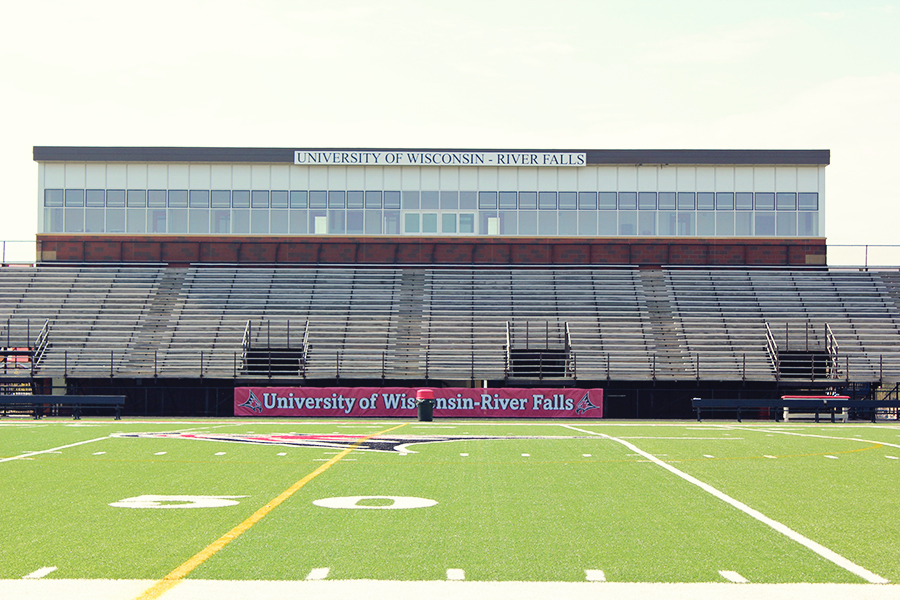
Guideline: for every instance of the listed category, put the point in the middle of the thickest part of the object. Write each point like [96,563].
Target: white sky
[757,74]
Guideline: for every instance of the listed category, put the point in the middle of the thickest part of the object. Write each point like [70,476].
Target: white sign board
[419,158]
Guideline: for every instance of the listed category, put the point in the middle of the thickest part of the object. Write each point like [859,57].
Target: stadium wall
[404,250]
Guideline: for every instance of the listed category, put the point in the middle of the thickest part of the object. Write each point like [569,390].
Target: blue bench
[38,404]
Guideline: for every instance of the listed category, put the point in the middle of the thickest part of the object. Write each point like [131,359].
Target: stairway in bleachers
[671,360]
[155,333]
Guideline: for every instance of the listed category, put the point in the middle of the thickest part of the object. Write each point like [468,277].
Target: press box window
[764,201]
[808,200]
[392,201]
[53,198]
[686,201]
[299,199]
[725,201]
[155,199]
[705,201]
[199,199]
[373,199]
[568,201]
[508,200]
[547,201]
[279,199]
[627,201]
[667,202]
[743,201]
[587,200]
[116,199]
[647,201]
[786,201]
[487,200]
[528,200]
[135,199]
[259,199]
[220,199]
[97,198]
[75,198]
[354,200]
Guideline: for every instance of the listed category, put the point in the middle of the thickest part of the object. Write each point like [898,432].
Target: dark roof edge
[286,155]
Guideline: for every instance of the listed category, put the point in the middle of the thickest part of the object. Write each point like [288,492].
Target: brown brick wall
[431,251]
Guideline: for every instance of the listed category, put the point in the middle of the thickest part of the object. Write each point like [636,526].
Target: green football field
[476,500]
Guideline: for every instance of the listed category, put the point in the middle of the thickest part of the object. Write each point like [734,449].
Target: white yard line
[819,549]
[456,575]
[594,575]
[51,450]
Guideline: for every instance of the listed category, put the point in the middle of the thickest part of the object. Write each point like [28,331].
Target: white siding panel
[528,179]
[337,178]
[488,178]
[568,179]
[374,178]
[157,176]
[392,178]
[686,179]
[724,179]
[179,177]
[764,179]
[743,179]
[808,179]
[449,179]
[587,179]
[240,177]
[299,177]
[95,175]
[318,177]
[508,179]
[627,178]
[260,177]
[356,178]
[786,179]
[281,177]
[220,177]
[54,175]
[200,177]
[607,179]
[410,179]
[431,178]
[136,175]
[648,178]
[706,179]
[668,179]
[75,175]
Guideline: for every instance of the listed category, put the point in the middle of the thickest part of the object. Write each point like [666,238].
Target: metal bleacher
[448,324]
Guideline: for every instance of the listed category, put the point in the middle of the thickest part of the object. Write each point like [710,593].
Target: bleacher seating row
[403,323]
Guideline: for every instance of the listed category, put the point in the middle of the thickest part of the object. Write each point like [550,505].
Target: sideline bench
[814,404]
[37,404]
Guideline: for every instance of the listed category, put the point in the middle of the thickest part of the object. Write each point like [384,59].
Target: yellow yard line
[173,578]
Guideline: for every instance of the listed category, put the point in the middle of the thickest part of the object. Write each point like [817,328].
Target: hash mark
[43,572]
[733,576]
[317,574]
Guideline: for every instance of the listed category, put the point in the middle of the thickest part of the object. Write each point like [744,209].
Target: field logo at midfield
[337,441]
[252,403]
[583,406]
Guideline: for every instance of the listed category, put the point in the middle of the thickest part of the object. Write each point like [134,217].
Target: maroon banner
[541,403]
